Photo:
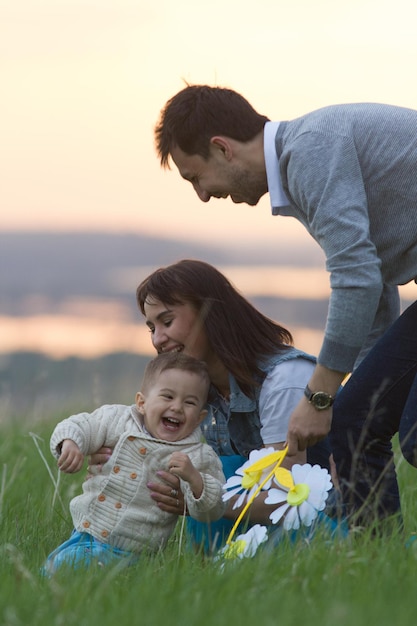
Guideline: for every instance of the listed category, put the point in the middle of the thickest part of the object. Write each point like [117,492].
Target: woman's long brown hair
[239,334]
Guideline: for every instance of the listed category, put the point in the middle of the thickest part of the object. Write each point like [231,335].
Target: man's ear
[222,144]
[140,402]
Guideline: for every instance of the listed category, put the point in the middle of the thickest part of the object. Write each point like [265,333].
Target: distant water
[89,328]
[60,336]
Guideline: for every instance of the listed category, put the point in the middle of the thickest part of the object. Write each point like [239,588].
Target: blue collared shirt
[276,192]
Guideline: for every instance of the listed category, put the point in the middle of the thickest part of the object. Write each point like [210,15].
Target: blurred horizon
[65,294]
[73,294]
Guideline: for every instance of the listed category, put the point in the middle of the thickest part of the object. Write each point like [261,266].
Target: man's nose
[203,195]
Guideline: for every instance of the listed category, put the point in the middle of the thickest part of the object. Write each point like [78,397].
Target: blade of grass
[55,481]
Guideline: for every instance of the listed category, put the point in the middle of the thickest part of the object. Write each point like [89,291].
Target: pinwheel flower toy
[299,493]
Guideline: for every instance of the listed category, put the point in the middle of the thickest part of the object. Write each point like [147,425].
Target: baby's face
[174,406]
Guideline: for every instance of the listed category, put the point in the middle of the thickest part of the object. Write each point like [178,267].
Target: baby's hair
[173,360]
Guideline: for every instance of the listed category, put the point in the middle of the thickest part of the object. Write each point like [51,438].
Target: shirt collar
[276,192]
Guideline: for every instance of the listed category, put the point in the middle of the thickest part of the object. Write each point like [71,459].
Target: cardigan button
[116,469]
[133,475]
[142,451]
[101,497]
[118,505]
[86,524]
[104,533]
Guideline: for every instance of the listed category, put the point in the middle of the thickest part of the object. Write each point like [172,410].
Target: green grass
[360,581]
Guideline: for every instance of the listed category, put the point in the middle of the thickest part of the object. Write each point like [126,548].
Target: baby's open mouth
[171,423]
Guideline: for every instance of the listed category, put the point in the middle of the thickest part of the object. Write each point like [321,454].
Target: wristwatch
[319,399]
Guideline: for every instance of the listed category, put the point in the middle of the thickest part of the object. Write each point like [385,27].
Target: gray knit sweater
[115,506]
[350,174]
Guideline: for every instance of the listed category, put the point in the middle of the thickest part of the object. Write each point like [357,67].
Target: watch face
[321,400]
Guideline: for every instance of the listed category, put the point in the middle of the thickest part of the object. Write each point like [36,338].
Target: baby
[115,517]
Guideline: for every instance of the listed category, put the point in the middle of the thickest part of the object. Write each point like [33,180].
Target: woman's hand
[167,494]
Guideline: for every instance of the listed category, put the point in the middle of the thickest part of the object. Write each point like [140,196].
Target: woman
[257,376]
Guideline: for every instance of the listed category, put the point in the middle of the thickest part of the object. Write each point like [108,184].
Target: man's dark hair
[199,112]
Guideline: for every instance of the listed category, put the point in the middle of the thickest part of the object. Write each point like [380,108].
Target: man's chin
[239,200]
[248,202]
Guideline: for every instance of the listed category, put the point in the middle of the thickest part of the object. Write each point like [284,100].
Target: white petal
[229,494]
[267,484]
[254,537]
[241,499]
[317,499]
[276,515]
[255,455]
[291,520]
[300,472]
[233,481]
[275,495]
[319,477]
[307,513]
[253,490]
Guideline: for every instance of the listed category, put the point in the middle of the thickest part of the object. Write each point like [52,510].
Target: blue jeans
[379,400]
[82,550]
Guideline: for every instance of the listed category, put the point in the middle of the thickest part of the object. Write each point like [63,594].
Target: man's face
[220,177]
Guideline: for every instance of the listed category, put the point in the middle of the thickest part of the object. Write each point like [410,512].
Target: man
[348,173]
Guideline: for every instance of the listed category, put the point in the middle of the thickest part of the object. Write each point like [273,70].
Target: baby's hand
[180,465]
[71,459]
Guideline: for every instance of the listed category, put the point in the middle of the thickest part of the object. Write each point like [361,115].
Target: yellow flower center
[235,548]
[298,494]
[250,478]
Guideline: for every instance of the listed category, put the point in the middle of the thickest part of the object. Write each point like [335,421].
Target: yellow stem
[252,498]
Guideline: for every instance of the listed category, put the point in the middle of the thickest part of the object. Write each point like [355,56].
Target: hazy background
[83,82]
[85,209]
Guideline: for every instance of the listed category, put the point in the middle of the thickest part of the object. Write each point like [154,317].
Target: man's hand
[307,426]
[71,459]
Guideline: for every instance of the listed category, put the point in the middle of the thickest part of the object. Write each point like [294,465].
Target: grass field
[363,580]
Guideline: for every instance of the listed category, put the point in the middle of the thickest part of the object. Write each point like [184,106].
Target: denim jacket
[234,428]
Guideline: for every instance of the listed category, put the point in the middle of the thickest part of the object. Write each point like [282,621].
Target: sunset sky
[83,82]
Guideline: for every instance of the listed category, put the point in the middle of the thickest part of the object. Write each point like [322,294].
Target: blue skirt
[210,537]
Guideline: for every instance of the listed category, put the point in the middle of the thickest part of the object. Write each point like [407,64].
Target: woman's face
[178,328]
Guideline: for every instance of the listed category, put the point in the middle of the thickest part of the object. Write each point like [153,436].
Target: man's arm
[307,424]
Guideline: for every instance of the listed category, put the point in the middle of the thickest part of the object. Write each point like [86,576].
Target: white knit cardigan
[115,506]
